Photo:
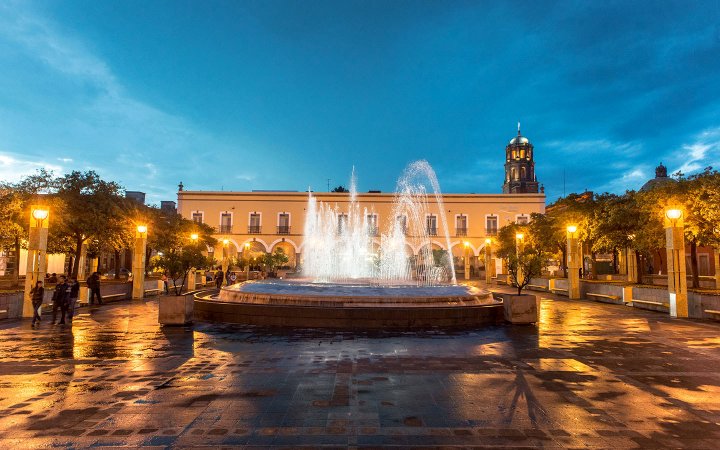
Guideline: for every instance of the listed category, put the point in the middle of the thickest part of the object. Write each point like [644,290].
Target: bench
[114,297]
[152,291]
[561,290]
[537,286]
[712,312]
[4,314]
[648,302]
[605,297]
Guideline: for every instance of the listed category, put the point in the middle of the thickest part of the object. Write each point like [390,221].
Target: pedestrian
[60,300]
[72,295]
[219,275]
[164,279]
[38,294]
[93,283]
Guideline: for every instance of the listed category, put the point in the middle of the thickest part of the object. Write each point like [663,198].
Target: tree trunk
[593,269]
[660,256]
[148,251]
[615,261]
[694,264]
[117,264]
[563,250]
[78,253]
[638,268]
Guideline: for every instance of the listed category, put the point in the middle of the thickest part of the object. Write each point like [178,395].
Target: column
[225,259]
[489,266]
[632,269]
[37,254]
[191,280]
[138,263]
[467,260]
[677,277]
[574,261]
[519,247]
[622,262]
[716,251]
[81,275]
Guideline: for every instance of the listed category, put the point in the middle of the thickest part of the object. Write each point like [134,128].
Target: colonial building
[261,221]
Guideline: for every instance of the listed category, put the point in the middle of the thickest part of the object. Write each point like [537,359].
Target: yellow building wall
[507,207]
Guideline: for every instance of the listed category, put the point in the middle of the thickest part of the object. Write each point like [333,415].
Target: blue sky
[243,95]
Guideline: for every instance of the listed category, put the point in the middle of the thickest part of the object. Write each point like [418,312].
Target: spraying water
[339,245]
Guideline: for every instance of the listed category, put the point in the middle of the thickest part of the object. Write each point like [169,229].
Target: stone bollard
[521,309]
[176,309]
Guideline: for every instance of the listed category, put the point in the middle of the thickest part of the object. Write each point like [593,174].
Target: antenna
[328,184]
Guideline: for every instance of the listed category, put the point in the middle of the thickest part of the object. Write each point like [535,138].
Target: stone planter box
[521,309]
[175,309]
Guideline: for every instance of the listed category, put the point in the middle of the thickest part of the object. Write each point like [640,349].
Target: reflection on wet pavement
[590,375]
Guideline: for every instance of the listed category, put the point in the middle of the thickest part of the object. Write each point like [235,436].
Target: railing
[461,231]
[491,231]
[283,229]
[226,228]
[432,231]
[254,229]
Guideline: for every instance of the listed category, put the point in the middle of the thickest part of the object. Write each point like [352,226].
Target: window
[491,225]
[283,223]
[513,174]
[523,173]
[401,222]
[431,225]
[197,216]
[372,224]
[226,222]
[461,225]
[522,219]
[342,223]
[254,226]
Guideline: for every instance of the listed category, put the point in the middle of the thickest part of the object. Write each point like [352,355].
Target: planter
[521,309]
[176,309]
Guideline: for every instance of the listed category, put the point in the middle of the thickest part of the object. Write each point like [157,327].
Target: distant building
[661,177]
[168,206]
[520,167]
[136,195]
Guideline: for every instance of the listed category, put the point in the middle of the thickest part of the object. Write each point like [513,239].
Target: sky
[243,95]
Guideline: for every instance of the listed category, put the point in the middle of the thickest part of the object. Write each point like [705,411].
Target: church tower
[520,167]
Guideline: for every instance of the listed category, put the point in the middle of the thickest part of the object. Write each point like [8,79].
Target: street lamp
[673,214]
[572,229]
[573,263]
[138,262]
[40,214]
[194,236]
[676,272]
[36,264]
[142,229]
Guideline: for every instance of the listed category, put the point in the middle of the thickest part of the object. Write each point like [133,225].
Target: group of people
[64,297]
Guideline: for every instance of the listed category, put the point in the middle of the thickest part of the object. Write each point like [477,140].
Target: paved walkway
[590,375]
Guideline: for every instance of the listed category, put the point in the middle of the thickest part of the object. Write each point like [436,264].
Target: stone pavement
[590,375]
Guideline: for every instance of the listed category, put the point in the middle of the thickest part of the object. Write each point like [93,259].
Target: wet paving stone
[590,375]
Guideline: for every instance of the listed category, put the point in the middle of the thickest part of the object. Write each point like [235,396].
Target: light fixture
[194,236]
[488,241]
[142,229]
[571,228]
[520,236]
[467,244]
[226,241]
[673,214]
[40,214]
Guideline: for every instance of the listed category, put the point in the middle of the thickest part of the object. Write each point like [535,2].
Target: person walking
[38,294]
[164,279]
[93,283]
[60,299]
[219,275]
[72,295]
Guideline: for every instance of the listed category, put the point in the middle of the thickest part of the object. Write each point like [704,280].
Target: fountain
[350,280]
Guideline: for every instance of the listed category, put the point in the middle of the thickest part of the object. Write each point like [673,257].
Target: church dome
[519,140]
[661,177]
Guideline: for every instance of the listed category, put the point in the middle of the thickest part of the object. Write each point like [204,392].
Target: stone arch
[256,244]
[290,250]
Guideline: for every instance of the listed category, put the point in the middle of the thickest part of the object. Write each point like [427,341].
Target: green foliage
[340,188]
[524,261]
[274,260]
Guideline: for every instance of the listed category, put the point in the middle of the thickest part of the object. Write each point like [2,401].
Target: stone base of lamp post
[521,309]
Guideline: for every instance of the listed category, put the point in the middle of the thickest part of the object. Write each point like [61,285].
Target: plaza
[589,375]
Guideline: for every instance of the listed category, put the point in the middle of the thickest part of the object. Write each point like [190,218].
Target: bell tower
[520,166]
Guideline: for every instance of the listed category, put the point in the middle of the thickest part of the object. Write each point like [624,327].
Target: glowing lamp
[40,214]
[673,214]
[488,241]
[571,228]
[142,229]
[520,236]
[226,241]
[194,236]
[467,244]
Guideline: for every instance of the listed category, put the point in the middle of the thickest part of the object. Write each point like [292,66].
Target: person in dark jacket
[219,276]
[72,295]
[38,294]
[93,283]
[60,299]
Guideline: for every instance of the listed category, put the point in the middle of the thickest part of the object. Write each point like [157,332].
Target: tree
[274,260]
[340,188]
[522,265]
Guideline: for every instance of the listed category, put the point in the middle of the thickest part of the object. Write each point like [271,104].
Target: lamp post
[37,254]
[573,262]
[519,240]
[225,261]
[191,279]
[489,266]
[138,263]
[467,260]
[676,273]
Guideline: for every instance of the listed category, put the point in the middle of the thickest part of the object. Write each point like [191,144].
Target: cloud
[701,153]
[14,167]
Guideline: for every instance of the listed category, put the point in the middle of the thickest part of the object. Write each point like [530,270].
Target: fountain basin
[350,305]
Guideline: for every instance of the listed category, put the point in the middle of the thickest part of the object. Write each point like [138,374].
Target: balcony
[432,231]
[254,229]
[461,232]
[283,229]
[491,231]
[225,228]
